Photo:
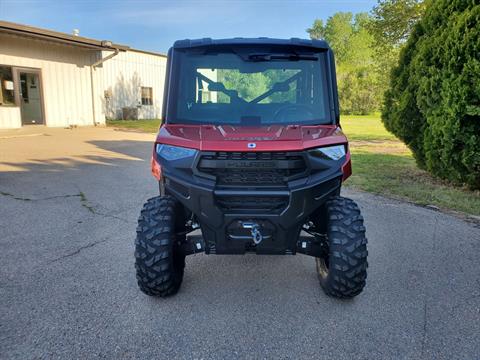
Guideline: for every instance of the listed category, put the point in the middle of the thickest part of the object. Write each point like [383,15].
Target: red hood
[238,138]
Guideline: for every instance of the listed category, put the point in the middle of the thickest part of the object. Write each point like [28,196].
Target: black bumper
[279,211]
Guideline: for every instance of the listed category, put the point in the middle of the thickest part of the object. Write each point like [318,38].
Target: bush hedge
[433,103]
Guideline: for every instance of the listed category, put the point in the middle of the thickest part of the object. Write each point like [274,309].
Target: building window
[147,96]
[7,95]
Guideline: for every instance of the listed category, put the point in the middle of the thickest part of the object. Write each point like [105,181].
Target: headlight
[335,152]
[170,153]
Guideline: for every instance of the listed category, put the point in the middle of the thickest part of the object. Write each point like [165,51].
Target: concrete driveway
[68,207]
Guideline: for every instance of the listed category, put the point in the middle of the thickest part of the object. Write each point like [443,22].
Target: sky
[155,24]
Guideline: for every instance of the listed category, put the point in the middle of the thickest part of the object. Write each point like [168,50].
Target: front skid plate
[306,244]
[223,233]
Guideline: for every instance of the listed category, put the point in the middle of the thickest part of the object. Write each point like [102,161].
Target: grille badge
[251,145]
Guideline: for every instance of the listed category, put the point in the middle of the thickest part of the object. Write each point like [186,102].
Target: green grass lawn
[365,128]
[384,165]
[381,164]
[150,125]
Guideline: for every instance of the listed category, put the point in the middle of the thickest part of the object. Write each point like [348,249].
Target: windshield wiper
[273,57]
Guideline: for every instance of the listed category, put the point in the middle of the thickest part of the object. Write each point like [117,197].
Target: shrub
[433,103]
[358,92]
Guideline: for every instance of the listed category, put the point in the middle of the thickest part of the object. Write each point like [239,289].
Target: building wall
[66,80]
[10,117]
[121,77]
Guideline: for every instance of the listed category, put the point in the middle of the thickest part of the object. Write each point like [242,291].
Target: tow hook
[255,231]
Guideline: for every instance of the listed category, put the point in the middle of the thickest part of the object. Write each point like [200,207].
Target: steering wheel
[292,112]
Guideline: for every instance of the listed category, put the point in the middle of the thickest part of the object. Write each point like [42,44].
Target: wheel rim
[323,263]
[322,266]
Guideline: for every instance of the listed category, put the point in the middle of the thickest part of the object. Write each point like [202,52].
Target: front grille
[252,168]
[224,155]
[239,177]
[259,204]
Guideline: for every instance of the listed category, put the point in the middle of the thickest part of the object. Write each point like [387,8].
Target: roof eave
[48,35]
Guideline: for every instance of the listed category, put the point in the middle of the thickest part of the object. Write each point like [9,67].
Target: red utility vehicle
[251,158]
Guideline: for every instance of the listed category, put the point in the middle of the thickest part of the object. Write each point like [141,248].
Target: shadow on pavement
[104,153]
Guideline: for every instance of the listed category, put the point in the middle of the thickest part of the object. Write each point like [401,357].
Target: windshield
[249,88]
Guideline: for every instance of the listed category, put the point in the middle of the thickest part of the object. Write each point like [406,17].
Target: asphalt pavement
[69,200]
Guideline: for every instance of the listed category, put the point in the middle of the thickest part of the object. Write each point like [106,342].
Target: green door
[30,98]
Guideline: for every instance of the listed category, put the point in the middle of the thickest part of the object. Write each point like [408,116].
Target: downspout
[92,69]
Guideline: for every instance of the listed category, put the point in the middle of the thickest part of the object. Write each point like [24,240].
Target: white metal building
[57,79]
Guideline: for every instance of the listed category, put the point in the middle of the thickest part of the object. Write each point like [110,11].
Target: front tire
[158,260]
[343,271]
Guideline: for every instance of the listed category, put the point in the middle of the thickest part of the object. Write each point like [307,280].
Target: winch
[255,231]
[251,232]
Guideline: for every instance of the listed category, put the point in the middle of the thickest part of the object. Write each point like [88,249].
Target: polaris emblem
[251,145]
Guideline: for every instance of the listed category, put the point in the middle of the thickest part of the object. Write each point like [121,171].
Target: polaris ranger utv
[250,159]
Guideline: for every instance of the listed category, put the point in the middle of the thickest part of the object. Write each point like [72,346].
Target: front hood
[243,138]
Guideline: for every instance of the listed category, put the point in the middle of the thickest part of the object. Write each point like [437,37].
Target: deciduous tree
[352,43]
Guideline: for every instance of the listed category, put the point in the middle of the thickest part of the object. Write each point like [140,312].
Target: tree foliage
[393,21]
[251,85]
[391,24]
[366,49]
[352,43]
[433,102]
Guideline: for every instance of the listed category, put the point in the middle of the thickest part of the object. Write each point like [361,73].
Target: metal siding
[66,80]
[126,73]
[65,77]
[10,117]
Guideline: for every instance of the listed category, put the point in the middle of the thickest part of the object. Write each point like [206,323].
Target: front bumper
[278,211]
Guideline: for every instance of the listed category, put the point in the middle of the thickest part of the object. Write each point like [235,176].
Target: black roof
[188,43]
